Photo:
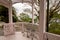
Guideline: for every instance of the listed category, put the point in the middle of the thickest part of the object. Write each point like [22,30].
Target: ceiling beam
[21,2]
[4,3]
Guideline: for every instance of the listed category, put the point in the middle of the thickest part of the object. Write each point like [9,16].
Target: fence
[28,30]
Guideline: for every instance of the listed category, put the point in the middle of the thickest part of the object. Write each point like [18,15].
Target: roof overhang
[4,3]
[23,1]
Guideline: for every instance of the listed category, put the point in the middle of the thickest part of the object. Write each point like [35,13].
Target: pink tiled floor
[17,36]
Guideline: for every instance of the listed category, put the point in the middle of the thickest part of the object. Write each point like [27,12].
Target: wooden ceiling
[6,3]
[23,1]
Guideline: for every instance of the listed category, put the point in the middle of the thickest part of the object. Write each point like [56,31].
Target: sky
[19,7]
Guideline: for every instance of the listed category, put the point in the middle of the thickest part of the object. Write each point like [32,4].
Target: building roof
[18,1]
[7,2]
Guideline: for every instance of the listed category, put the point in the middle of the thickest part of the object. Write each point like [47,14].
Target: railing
[51,36]
[8,28]
[31,31]
[28,30]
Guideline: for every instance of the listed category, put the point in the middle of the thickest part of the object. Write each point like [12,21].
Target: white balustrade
[33,35]
[51,36]
[8,29]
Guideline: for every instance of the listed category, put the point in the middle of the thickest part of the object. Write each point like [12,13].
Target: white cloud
[20,8]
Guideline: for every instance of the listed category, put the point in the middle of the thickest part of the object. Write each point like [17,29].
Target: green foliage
[54,19]
[54,28]
[25,17]
[36,19]
[15,18]
[53,11]
[4,14]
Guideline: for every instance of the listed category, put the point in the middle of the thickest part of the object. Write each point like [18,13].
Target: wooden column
[9,28]
[10,13]
[42,19]
[32,12]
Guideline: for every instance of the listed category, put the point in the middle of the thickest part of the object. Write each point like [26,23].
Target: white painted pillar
[42,19]
[10,27]
[32,12]
[10,13]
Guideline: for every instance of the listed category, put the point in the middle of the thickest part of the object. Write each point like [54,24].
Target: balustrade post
[10,13]
[22,27]
[32,11]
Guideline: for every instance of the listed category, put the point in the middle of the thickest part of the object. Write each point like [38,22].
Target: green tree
[53,11]
[4,14]
[54,18]
[25,17]
[15,18]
